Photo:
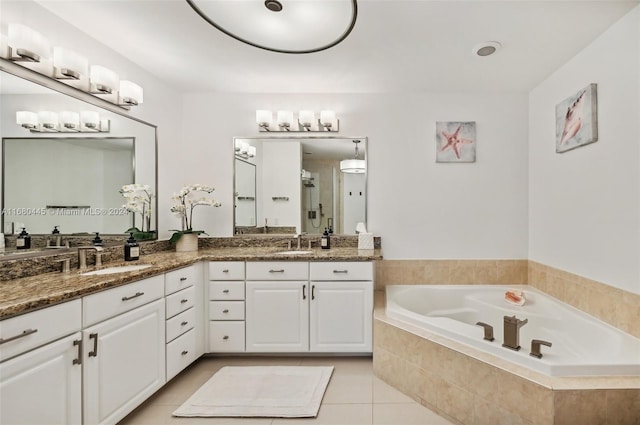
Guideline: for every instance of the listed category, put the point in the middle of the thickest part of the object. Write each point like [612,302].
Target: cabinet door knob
[182,279]
[185,323]
[225,291]
[225,337]
[225,271]
[185,352]
[226,310]
[184,300]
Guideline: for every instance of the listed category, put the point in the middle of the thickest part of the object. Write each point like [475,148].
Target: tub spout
[488,331]
[512,327]
[535,347]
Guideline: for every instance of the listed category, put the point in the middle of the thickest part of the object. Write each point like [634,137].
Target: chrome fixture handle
[137,294]
[182,279]
[94,352]
[226,310]
[488,331]
[304,292]
[65,265]
[225,271]
[225,337]
[185,352]
[82,255]
[341,271]
[185,323]
[313,292]
[78,360]
[184,300]
[276,271]
[22,335]
[225,291]
[535,347]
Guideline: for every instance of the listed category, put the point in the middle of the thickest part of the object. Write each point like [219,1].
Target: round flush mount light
[284,26]
[487,48]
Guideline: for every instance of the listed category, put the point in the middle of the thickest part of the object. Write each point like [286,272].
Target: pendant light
[353,166]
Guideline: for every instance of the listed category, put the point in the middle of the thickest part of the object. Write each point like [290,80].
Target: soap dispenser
[325,242]
[56,234]
[23,241]
[97,241]
[131,249]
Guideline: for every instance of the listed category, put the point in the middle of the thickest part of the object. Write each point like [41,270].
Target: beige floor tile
[405,414]
[349,389]
[385,393]
[342,365]
[149,414]
[218,421]
[334,414]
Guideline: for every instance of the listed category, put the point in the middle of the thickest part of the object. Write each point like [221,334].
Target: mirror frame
[32,76]
[289,137]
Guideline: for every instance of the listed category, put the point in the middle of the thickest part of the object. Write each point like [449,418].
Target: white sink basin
[293,252]
[117,269]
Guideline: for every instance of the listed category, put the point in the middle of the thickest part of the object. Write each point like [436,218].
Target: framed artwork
[455,141]
[577,120]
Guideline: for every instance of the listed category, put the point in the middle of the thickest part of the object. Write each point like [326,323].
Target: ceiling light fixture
[63,122]
[487,48]
[305,121]
[353,166]
[281,26]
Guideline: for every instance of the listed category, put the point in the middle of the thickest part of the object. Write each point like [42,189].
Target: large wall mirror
[293,185]
[70,179]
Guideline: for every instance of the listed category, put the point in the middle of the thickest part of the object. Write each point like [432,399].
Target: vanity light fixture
[305,121]
[244,150]
[103,80]
[27,45]
[130,93]
[68,65]
[283,26]
[63,122]
[353,166]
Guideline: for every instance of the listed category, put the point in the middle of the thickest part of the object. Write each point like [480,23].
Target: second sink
[293,252]
[117,269]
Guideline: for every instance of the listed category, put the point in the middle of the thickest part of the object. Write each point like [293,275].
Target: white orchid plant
[186,201]
[139,199]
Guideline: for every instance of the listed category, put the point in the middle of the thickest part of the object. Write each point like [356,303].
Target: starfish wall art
[577,120]
[455,141]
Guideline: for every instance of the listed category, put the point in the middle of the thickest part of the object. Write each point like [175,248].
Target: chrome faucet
[512,327]
[82,256]
[298,238]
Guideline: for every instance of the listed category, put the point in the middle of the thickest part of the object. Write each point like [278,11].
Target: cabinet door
[341,317]
[124,363]
[277,316]
[43,386]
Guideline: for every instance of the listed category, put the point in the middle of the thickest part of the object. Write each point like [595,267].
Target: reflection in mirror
[300,186]
[245,193]
[74,169]
[76,191]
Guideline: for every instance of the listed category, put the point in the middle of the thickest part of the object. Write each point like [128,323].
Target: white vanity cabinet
[124,353]
[341,307]
[226,309]
[184,313]
[42,386]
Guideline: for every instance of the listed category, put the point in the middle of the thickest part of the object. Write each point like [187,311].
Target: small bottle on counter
[131,249]
[23,241]
[325,242]
[97,241]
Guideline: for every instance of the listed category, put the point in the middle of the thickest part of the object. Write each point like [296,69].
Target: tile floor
[354,396]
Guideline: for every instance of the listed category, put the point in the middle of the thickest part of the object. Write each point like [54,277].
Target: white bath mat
[260,391]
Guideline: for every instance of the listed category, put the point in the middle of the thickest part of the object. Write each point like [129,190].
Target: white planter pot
[187,242]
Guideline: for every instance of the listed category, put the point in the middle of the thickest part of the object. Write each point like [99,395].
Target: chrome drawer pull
[226,310]
[184,300]
[304,292]
[225,337]
[182,279]
[185,323]
[225,271]
[225,291]
[138,294]
[94,353]
[313,292]
[341,271]
[276,271]
[23,334]
[78,342]
[185,352]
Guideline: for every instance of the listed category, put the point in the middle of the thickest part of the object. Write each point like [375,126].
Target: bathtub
[582,344]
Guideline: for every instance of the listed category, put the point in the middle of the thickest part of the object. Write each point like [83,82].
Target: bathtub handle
[488,331]
[535,347]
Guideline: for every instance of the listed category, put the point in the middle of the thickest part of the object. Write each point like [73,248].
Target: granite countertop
[23,295]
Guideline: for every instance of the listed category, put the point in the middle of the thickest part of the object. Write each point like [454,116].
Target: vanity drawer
[180,324]
[226,310]
[226,290]
[226,337]
[341,270]
[278,270]
[181,352]
[49,324]
[110,303]
[226,270]
[176,280]
[180,301]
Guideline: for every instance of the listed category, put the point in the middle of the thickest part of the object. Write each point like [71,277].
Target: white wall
[420,208]
[162,104]
[281,165]
[584,204]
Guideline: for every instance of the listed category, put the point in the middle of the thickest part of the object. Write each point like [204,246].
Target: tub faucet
[82,256]
[488,331]
[512,327]
[535,347]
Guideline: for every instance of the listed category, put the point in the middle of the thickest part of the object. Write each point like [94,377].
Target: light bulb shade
[69,120]
[306,118]
[27,119]
[48,119]
[69,64]
[130,93]
[90,119]
[104,79]
[244,148]
[4,47]
[328,120]
[264,117]
[251,151]
[27,44]
[285,118]
[354,166]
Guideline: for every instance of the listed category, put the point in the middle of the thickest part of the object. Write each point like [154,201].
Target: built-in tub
[582,344]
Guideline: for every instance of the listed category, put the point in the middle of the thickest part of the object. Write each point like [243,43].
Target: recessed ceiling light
[487,48]
[273,5]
